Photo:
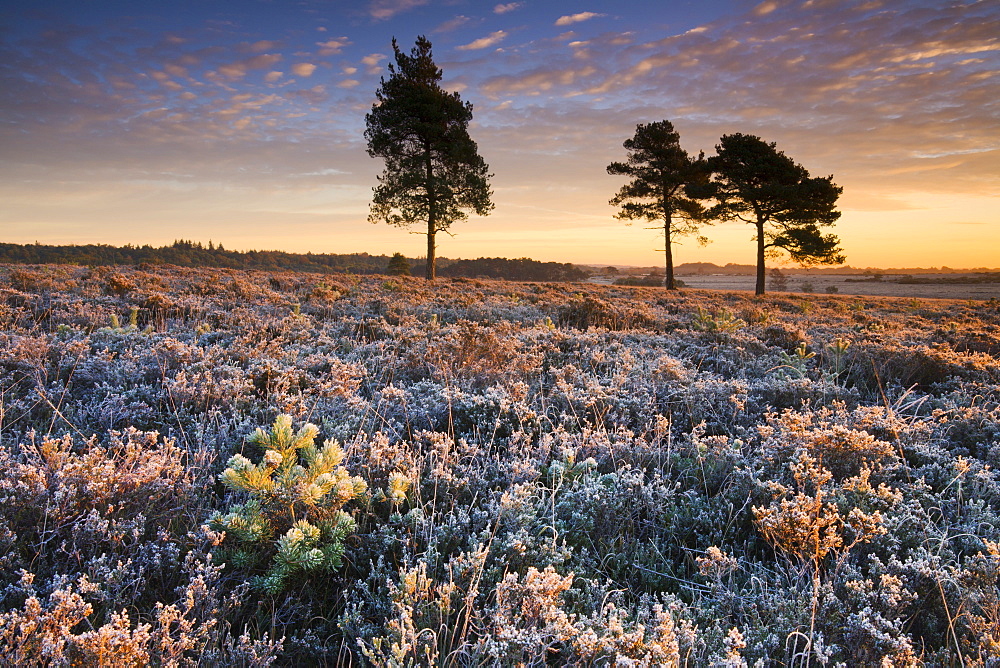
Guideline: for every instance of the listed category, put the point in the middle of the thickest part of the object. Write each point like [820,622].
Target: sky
[242,121]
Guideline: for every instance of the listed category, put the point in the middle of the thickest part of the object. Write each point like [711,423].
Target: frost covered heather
[499,474]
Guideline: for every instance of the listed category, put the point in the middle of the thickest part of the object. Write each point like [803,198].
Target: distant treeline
[521,269]
[192,254]
[981,277]
[185,253]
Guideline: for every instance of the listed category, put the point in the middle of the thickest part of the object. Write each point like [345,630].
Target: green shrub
[719,322]
[297,493]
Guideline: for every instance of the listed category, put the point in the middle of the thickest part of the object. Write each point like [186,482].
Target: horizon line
[786,267]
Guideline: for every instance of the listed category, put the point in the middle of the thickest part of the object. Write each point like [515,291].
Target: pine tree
[756,183]
[661,173]
[296,493]
[433,172]
[398,266]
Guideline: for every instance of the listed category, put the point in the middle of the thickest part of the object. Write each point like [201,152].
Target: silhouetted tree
[398,266]
[755,182]
[661,172]
[433,172]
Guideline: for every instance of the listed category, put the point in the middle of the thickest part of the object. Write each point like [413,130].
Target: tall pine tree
[661,173]
[433,172]
[756,183]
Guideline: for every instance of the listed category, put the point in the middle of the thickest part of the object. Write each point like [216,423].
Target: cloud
[507,7]
[303,69]
[314,95]
[453,24]
[765,8]
[542,79]
[328,171]
[164,80]
[892,99]
[332,46]
[576,18]
[385,9]
[372,62]
[484,42]
[239,69]
[238,104]
[926,166]
[264,45]
[901,81]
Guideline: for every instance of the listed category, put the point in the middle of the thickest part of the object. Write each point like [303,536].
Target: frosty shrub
[584,312]
[561,474]
[65,628]
[526,625]
[117,512]
[806,525]
[828,434]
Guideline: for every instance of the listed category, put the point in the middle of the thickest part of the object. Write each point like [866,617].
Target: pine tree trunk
[431,259]
[670,283]
[760,259]
[431,272]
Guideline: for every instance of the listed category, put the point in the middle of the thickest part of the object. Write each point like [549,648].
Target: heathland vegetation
[499,473]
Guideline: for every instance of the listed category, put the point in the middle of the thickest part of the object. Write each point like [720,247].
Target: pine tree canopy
[433,172]
[398,265]
[661,173]
[756,183]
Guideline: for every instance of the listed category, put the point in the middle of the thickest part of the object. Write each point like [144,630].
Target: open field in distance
[530,473]
[852,285]
[923,286]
